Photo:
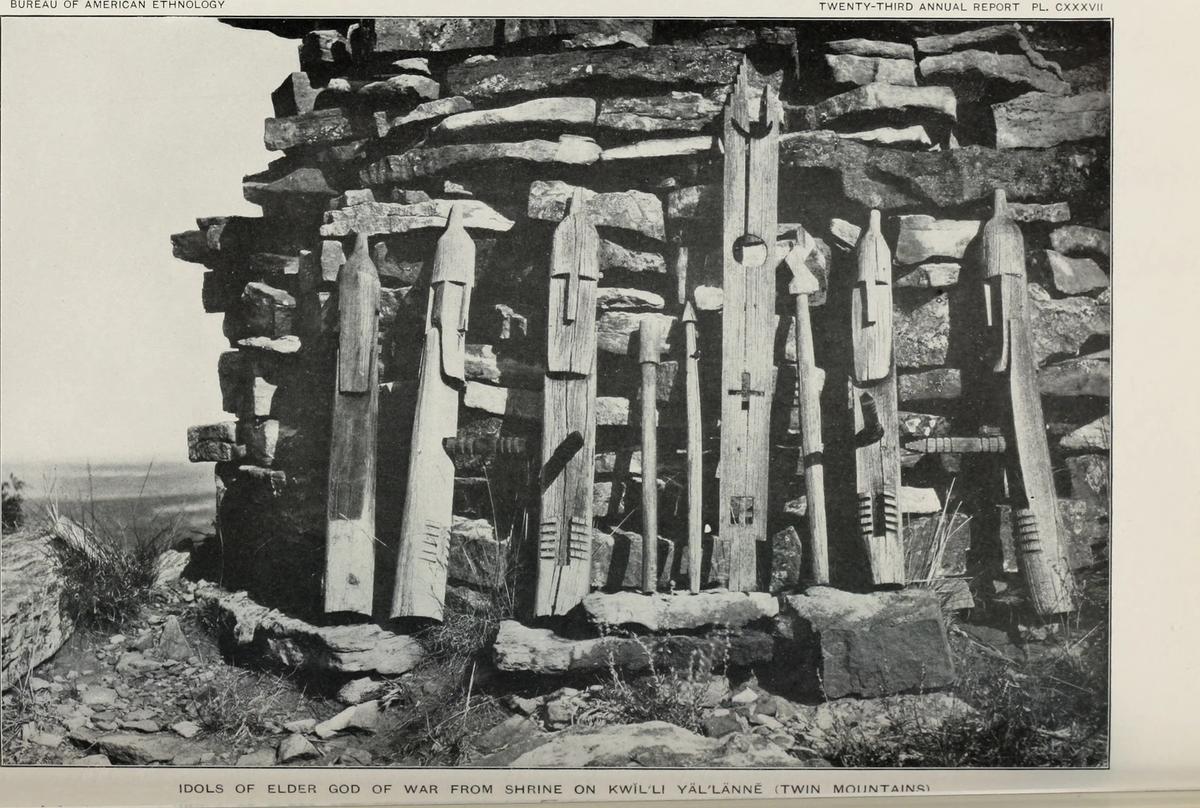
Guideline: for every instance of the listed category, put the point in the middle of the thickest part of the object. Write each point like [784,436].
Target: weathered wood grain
[350,517]
[750,213]
[422,558]
[1037,524]
[983,444]
[695,450]
[873,400]
[569,416]
[650,340]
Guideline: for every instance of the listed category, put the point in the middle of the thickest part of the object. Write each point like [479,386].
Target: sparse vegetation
[12,503]
[241,705]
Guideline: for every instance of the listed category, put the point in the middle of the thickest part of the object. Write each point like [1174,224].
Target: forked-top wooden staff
[809,381]
[874,401]
[649,350]
[569,416]
[421,562]
[695,451]
[751,141]
[350,514]
[1037,524]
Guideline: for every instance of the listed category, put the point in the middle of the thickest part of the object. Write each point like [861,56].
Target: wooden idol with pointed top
[874,403]
[420,589]
[569,416]
[1037,524]
[751,144]
[695,449]
[350,514]
[649,350]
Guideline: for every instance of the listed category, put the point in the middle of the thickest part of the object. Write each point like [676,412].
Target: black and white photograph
[559,393]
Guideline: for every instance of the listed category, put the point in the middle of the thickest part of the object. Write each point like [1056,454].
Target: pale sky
[115,134]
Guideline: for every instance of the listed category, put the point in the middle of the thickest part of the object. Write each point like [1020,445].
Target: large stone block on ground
[867,644]
[531,75]
[1038,120]
[35,622]
[654,744]
[269,638]
[884,178]
[663,612]
[540,650]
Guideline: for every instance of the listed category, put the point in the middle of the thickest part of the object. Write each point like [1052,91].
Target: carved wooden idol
[695,450]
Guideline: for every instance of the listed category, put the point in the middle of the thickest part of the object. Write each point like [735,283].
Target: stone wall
[390,121]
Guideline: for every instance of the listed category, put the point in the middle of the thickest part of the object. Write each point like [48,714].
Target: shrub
[12,503]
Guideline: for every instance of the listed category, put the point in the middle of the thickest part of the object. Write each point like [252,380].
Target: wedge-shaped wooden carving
[695,456]
[428,501]
[569,416]
[1037,524]
[751,141]
[350,515]
[649,349]
[810,380]
[873,400]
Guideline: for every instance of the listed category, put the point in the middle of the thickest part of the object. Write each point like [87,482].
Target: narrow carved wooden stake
[984,444]
[751,142]
[350,516]
[421,562]
[569,416]
[681,273]
[649,342]
[1037,524]
[695,451]
[873,399]
[809,380]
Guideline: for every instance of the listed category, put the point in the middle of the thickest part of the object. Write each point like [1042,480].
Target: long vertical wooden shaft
[748,277]
[648,355]
[350,515]
[569,416]
[1037,523]
[874,401]
[695,455]
[809,382]
[421,562]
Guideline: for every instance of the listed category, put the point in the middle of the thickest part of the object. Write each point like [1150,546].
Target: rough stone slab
[399,91]
[853,69]
[1062,326]
[136,749]
[324,49]
[572,112]
[845,234]
[923,237]
[938,102]
[390,217]
[936,275]
[678,111]
[431,161]
[908,136]
[382,36]
[1084,376]
[879,177]
[1089,475]
[995,37]
[518,29]
[967,68]
[925,385]
[614,329]
[617,553]
[295,96]
[540,650]
[1085,533]
[919,500]
[422,113]
[483,364]
[660,148]
[224,431]
[1092,437]
[1052,213]
[662,612]
[1075,239]
[870,47]
[323,126]
[594,39]
[476,557]
[1071,276]
[636,211]
[302,184]
[280,346]
[1038,120]
[873,644]
[922,332]
[503,401]
[618,257]
[654,744]
[212,451]
[920,536]
[610,298]
[271,639]
[677,67]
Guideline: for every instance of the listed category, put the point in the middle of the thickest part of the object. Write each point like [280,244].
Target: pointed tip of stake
[876,221]
[360,244]
[455,219]
[578,202]
[689,313]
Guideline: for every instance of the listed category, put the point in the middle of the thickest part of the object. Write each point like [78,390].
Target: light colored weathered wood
[420,588]
[982,444]
[873,400]
[1037,523]
[750,214]
[350,517]
[569,416]
[649,348]
[695,450]
[809,380]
